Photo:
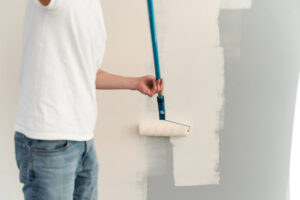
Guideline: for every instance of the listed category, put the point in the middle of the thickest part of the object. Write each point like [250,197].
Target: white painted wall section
[236,4]
[193,69]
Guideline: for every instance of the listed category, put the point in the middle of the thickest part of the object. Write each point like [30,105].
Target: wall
[256,70]
[261,68]
[11,20]
[190,64]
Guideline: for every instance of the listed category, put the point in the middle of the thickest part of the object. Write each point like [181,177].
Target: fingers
[153,90]
[160,86]
[157,87]
[151,86]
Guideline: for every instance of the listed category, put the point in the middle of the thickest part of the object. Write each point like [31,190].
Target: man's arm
[147,85]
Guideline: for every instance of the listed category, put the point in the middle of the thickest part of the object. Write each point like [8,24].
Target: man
[63,47]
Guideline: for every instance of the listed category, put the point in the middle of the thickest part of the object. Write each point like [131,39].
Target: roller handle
[160,97]
[161,107]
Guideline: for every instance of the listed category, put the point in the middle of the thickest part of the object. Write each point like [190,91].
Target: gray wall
[261,48]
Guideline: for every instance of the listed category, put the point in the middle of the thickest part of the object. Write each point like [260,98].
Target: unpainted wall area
[261,47]
[11,20]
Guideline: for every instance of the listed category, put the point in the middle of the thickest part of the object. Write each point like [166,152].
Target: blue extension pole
[160,97]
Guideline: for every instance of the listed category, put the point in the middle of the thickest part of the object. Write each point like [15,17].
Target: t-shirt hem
[57,135]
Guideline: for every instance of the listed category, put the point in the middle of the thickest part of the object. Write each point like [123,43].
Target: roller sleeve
[162,128]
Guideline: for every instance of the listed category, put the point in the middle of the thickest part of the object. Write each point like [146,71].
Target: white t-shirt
[63,47]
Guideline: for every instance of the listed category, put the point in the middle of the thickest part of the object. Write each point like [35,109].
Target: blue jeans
[56,169]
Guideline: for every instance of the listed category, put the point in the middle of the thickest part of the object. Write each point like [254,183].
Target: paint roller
[161,127]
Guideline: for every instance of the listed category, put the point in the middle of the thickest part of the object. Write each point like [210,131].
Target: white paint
[192,61]
[295,163]
[236,4]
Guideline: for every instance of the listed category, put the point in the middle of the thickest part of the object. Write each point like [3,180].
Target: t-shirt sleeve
[54,4]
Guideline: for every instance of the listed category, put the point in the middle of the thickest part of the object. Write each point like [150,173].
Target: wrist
[134,83]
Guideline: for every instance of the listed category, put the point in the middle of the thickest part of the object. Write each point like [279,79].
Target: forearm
[105,80]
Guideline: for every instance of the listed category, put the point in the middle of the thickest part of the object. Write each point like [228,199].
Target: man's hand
[148,85]
[45,2]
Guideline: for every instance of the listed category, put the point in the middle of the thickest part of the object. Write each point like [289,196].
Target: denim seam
[50,151]
[32,168]
[24,164]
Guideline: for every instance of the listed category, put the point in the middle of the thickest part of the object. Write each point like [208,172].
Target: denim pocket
[22,162]
[48,146]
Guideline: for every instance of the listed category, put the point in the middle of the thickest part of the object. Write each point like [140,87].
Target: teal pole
[160,97]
